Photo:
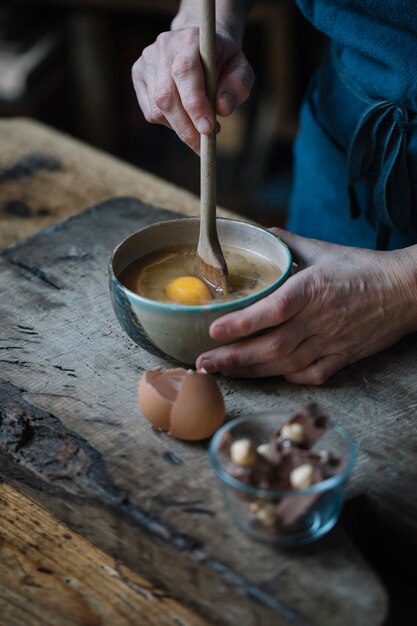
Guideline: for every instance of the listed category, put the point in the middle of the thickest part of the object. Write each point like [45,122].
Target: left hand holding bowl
[343,305]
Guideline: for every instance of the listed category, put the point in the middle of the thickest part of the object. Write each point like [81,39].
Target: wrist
[405,275]
[230,17]
[187,16]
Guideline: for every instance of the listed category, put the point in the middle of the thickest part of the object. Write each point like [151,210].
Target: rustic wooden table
[49,574]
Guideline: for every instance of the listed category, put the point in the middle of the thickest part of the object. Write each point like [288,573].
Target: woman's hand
[343,305]
[169,83]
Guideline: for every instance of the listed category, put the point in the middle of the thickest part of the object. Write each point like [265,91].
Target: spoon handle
[208,142]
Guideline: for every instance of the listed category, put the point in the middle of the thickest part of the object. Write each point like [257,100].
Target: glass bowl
[283,517]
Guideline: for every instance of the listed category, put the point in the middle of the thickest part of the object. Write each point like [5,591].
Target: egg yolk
[188,290]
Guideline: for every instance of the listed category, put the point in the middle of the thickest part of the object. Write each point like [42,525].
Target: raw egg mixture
[168,276]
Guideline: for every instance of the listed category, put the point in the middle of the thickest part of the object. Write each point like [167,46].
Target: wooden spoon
[210,264]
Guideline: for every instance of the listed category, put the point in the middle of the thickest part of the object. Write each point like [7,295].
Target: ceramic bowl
[178,331]
[315,510]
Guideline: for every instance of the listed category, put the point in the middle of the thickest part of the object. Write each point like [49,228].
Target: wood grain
[72,438]
[46,176]
[51,576]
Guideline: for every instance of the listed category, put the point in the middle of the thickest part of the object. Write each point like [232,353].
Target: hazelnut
[294,432]
[256,505]
[302,476]
[324,456]
[242,452]
[265,514]
[263,450]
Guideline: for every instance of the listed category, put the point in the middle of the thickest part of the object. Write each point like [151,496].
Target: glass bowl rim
[324,485]
[173,307]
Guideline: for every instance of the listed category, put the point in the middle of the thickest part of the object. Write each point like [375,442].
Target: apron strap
[380,142]
[383,124]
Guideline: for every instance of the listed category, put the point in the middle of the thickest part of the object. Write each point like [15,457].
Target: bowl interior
[162,235]
[180,331]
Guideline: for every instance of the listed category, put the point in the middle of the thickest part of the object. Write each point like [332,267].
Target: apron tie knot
[402,119]
[380,142]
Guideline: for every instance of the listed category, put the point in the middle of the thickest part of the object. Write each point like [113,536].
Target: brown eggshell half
[156,395]
[199,408]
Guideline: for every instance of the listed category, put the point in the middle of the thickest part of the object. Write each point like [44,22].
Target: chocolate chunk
[287,450]
[313,421]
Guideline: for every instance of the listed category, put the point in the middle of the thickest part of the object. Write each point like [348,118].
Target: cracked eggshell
[189,405]
[199,409]
[156,393]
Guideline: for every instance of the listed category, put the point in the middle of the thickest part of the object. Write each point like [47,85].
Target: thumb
[234,84]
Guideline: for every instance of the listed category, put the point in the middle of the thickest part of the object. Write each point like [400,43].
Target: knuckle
[289,365]
[244,326]
[149,117]
[193,103]
[244,83]
[193,32]
[164,98]
[162,38]
[296,363]
[248,78]
[155,116]
[318,376]
[190,36]
[183,66]
[230,361]
[186,135]
[137,70]
[146,53]
[276,345]
[280,307]
[320,279]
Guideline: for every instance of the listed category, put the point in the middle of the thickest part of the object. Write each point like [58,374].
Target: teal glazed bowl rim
[218,306]
[324,485]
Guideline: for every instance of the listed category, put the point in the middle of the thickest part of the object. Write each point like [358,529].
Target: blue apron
[355,179]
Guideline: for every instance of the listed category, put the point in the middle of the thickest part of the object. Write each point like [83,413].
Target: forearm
[230,16]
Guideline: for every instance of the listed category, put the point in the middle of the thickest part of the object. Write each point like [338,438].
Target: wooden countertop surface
[46,176]
[50,575]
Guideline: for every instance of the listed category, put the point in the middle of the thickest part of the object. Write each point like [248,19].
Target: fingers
[282,350]
[315,374]
[273,346]
[259,370]
[144,89]
[275,309]
[302,367]
[187,73]
[168,101]
[168,72]
[180,94]
[234,84]
[141,90]
[170,87]
[318,372]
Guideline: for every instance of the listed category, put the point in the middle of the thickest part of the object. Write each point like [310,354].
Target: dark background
[68,64]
